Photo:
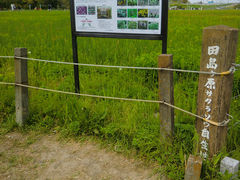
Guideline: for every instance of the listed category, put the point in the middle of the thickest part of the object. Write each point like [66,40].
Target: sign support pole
[164,26]
[75,60]
[74,47]
[164,45]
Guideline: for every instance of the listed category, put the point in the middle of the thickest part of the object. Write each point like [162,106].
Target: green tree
[65,4]
[5,4]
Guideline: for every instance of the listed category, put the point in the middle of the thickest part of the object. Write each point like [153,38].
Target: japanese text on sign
[210,86]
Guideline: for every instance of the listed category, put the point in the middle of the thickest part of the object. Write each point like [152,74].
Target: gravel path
[44,157]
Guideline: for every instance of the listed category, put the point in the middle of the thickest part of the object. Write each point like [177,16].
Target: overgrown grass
[131,125]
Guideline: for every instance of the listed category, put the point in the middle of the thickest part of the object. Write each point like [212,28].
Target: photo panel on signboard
[122,24]
[136,17]
[153,13]
[91,10]
[132,13]
[132,24]
[153,25]
[81,10]
[153,2]
[132,2]
[122,2]
[122,13]
[143,13]
[142,2]
[104,12]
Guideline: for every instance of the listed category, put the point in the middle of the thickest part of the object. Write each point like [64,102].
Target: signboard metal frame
[75,34]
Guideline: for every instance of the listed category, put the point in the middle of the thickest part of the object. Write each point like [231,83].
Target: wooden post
[166,94]
[21,93]
[215,91]
[193,168]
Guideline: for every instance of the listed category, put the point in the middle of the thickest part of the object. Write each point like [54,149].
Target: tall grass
[130,125]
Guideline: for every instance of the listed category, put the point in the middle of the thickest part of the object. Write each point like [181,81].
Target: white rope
[236,97]
[236,65]
[6,83]
[231,70]
[224,123]
[78,94]
[6,57]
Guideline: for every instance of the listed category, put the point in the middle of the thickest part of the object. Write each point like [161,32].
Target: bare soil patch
[45,157]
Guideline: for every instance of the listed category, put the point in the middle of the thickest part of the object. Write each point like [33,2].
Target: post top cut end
[221,28]
[166,55]
[21,52]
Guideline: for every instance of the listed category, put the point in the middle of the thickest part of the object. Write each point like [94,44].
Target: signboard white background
[118,16]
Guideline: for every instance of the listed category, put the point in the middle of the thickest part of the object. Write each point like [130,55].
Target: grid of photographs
[143,25]
[137,2]
[137,14]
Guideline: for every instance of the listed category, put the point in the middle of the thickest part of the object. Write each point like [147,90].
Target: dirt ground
[45,157]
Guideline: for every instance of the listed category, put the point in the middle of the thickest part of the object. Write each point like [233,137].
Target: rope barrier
[7,83]
[6,57]
[224,123]
[236,97]
[230,71]
[236,65]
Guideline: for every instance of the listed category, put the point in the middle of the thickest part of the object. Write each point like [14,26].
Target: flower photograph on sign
[104,12]
[91,10]
[153,25]
[81,10]
[132,13]
[121,2]
[153,2]
[142,24]
[122,13]
[122,24]
[142,2]
[143,13]
[132,2]
[132,24]
[153,13]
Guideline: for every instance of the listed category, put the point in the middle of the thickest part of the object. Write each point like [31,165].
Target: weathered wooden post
[215,91]
[165,80]
[193,168]
[21,93]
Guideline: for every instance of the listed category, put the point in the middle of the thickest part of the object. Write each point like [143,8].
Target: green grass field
[129,125]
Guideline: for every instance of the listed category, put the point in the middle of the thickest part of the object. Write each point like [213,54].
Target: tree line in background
[26,4]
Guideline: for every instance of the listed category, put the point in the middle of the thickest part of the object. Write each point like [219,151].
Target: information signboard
[119,16]
[127,19]
[138,19]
